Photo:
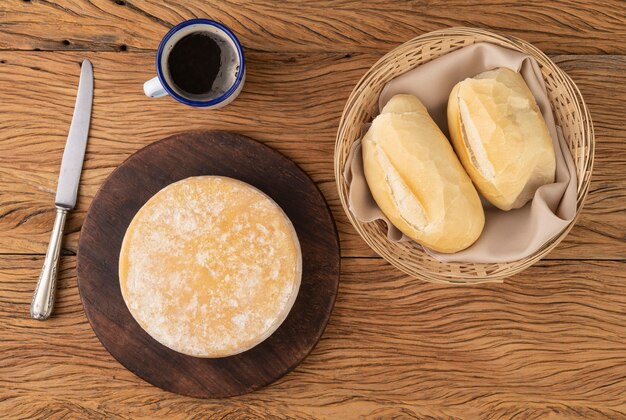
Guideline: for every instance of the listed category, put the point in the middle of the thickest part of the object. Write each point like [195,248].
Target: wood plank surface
[289,100]
[548,342]
[558,27]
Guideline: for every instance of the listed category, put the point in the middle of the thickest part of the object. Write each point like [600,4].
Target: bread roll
[417,180]
[501,138]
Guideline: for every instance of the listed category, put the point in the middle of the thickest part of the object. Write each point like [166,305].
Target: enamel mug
[231,76]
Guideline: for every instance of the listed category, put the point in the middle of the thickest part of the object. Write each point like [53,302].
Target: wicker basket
[570,114]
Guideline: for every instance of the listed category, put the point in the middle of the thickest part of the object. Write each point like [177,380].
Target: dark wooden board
[139,178]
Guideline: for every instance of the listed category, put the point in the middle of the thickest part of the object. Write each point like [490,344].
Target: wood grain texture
[291,102]
[556,27]
[548,342]
[126,191]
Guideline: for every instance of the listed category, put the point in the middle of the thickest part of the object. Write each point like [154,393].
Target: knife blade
[74,153]
[67,190]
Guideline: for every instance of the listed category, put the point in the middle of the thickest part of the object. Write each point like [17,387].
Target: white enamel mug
[229,81]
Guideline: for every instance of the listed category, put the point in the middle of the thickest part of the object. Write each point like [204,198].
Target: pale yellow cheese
[210,266]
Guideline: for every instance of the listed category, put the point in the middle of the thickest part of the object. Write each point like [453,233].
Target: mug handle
[153,88]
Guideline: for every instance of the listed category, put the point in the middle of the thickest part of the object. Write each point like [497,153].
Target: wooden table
[548,342]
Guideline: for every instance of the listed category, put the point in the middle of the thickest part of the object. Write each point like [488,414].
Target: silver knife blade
[74,153]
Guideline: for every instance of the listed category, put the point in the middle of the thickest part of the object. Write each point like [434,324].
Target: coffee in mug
[199,63]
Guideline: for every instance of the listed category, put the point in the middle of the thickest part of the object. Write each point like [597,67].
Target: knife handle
[43,298]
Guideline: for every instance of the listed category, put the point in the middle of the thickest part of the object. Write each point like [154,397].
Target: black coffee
[194,63]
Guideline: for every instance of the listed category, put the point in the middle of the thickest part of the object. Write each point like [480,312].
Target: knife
[67,189]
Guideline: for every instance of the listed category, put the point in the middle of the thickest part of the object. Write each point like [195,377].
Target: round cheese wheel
[210,266]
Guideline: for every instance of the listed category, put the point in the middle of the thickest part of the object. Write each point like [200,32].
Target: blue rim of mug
[191,102]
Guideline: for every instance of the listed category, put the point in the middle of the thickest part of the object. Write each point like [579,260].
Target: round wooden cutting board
[124,193]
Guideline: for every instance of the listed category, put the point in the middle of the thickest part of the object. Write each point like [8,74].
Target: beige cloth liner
[508,235]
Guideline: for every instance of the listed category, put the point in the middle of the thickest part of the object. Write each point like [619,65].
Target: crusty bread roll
[417,180]
[501,137]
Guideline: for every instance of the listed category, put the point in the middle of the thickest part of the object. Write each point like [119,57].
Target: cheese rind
[210,266]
